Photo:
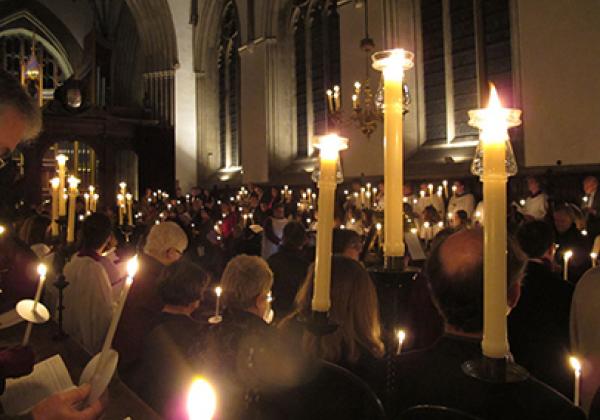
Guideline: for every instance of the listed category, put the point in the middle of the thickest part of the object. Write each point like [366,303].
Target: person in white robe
[536,205]
[461,200]
[88,297]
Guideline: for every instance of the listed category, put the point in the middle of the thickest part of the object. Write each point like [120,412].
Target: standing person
[536,205]
[20,119]
[461,200]
[591,207]
[289,268]
[89,297]
[164,246]
[273,231]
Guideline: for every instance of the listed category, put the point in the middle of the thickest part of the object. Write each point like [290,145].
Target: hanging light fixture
[367,104]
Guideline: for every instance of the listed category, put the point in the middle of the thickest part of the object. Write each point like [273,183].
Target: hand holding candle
[216,318]
[42,270]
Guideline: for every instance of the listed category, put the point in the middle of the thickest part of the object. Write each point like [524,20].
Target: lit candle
[86,198]
[42,270]
[336,96]
[123,187]
[576,365]
[354,101]
[132,267]
[494,122]
[594,257]
[129,201]
[393,63]
[201,401]
[54,185]
[96,197]
[61,160]
[73,192]
[330,99]
[566,257]
[121,207]
[454,188]
[445,184]
[330,146]
[422,194]
[401,337]
[218,292]
[430,189]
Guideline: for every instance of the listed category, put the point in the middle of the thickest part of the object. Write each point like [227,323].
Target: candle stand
[60,284]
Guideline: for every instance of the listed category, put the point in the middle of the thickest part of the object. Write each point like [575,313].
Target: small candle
[522,202]
[594,257]
[576,365]
[54,184]
[218,292]
[422,194]
[330,99]
[123,187]
[129,201]
[42,270]
[73,192]
[336,96]
[201,400]
[430,188]
[454,189]
[566,257]
[132,267]
[445,184]
[401,337]
[86,198]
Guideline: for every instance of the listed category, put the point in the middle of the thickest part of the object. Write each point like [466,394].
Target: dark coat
[538,327]
[435,376]
[289,271]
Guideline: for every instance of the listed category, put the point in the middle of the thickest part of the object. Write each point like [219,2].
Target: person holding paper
[63,406]
[89,297]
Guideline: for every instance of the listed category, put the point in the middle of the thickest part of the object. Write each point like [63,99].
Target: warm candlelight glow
[594,257]
[201,400]
[54,182]
[42,270]
[576,366]
[218,291]
[132,267]
[2,230]
[401,334]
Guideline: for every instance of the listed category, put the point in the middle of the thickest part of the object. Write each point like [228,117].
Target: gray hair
[13,96]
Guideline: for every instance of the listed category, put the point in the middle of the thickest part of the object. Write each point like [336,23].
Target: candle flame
[568,254]
[61,159]
[330,145]
[54,183]
[132,267]
[122,185]
[73,182]
[413,231]
[218,291]
[378,226]
[2,229]
[201,400]
[401,336]
[575,364]
[594,255]
[42,270]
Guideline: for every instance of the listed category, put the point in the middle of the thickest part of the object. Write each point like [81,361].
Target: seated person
[289,268]
[89,297]
[163,374]
[435,376]
[538,327]
[568,237]
[356,344]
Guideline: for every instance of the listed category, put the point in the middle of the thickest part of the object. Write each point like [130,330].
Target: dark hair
[277,206]
[458,296]
[462,216]
[294,234]
[12,95]
[535,238]
[344,239]
[182,283]
[96,230]
[34,229]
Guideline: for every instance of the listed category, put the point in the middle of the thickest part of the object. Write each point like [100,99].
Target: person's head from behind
[246,283]
[536,239]
[431,215]
[96,232]
[460,219]
[563,218]
[294,236]
[20,116]
[590,184]
[454,271]
[347,242]
[354,308]
[278,211]
[33,231]
[181,286]
[166,243]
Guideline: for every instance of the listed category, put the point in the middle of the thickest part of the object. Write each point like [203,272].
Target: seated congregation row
[164,338]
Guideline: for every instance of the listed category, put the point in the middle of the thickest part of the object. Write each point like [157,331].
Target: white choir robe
[479,217]
[535,207]
[423,202]
[464,202]
[88,302]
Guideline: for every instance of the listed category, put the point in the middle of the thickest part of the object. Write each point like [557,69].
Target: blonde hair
[163,237]
[354,308]
[244,279]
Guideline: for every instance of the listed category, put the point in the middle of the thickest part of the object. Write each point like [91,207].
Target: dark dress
[163,374]
[434,376]
[289,270]
[538,327]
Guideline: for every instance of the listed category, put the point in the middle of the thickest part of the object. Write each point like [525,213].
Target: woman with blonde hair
[356,343]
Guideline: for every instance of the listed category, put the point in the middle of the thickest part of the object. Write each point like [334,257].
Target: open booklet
[48,377]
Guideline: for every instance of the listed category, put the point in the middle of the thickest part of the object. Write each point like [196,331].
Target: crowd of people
[256,340]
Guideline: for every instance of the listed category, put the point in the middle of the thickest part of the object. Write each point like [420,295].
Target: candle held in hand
[42,270]
[576,365]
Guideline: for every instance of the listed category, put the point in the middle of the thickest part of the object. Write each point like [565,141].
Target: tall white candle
[218,292]
[42,270]
[566,257]
[576,365]
[401,334]
[61,160]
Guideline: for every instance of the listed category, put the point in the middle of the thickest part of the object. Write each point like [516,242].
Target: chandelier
[367,104]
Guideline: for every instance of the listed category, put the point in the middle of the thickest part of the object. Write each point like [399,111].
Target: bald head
[590,184]
[454,271]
